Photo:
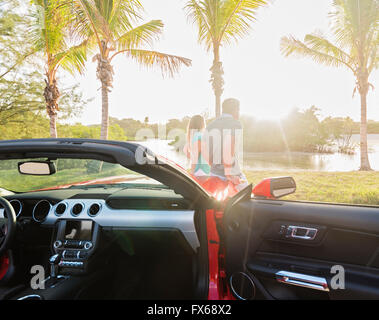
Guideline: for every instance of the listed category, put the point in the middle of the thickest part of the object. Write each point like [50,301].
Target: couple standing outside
[213,150]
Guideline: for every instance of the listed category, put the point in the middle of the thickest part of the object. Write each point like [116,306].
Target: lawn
[12,180]
[342,187]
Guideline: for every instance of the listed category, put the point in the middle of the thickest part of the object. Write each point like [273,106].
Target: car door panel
[257,242]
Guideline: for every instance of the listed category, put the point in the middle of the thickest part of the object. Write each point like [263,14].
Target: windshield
[69,172]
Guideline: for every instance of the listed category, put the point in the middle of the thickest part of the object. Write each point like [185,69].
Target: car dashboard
[134,208]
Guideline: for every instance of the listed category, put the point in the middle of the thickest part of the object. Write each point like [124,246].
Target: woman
[199,166]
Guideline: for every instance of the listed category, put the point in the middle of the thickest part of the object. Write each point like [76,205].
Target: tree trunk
[365,164]
[218,104]
[104,73]
[104,113]
[53,126]
[52,95]
[217,80]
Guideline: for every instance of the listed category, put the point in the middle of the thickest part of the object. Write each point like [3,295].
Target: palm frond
[140,36]
[197,14]
[104,20]
[73,59]
[47,32]
[87,20]
[291,46]
[168,64]
[78,22]
[343,23]
[50,37]
[318,43]
[355,24]
[222,21]
[373,41]
[374,55]
[237,17]
[124,13]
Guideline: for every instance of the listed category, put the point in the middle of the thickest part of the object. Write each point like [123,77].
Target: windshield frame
[122,153]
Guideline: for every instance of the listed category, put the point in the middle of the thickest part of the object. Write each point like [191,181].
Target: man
[224,136]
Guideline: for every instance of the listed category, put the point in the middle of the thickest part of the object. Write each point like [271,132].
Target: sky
[268,85]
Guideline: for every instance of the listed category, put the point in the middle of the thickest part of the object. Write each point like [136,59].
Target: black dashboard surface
[144,208]
[105,192]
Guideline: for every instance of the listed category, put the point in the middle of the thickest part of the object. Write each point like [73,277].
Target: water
[289,160]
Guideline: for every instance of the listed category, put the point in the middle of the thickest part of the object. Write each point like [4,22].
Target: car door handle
[302,280]
[304,233]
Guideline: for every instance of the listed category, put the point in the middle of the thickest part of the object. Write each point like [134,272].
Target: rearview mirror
[37,168]
[274,188]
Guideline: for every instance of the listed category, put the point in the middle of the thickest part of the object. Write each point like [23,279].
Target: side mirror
[274,188]
[37,168]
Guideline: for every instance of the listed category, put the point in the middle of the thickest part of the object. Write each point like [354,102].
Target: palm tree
[108,25]
[355,26]
[49,37]
[220,22]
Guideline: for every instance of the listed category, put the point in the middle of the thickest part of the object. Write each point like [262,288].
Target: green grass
[12,180]
[341,187]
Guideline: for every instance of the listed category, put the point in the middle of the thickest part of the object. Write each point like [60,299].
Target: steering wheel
[7,225]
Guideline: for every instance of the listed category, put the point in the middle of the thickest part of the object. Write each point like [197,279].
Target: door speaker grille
[242,286]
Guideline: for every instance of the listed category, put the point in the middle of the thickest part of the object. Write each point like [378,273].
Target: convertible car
[91,219]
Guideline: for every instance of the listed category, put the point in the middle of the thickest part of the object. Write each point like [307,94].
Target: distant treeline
[301,130]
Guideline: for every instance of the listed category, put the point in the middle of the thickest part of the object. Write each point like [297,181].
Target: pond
[287,160]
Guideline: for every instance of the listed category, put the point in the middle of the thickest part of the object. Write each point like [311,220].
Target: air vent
[17,206]
[60,209]
[77,209]
[94,209]
[41,210]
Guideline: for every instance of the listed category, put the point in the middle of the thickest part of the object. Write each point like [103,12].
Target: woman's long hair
[196,124]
